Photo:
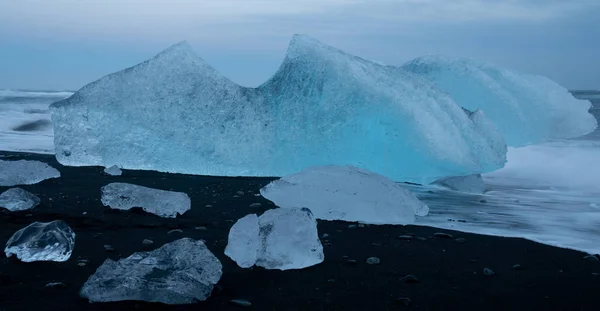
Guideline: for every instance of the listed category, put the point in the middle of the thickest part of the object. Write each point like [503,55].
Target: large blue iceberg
[527,109]
[175,113]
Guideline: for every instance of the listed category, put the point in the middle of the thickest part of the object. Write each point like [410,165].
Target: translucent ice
[23,172]
[17,199]
[527,109]
[159,202]
[346,193]
[42,241]
[113,170]
[470,183]
[279,239]
[175,113]
[180,272]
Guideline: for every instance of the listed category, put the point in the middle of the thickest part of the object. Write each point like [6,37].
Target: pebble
[443,235]
[482,201]
[255,205]
[81,264]
[241,302]
[405,237]
[56,285]
[404,301]
[591,258]
[410,279]
[351,262]
[488,272]
[461,240]
[208,206]
[517,267]
[109,248]
[147,242]
[352,226]
[175,231]
[373,261]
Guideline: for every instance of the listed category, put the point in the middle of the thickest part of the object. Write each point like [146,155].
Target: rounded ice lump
[527,109]
[180,272]
[17,199]
[42,241]
[346,193]
[279,239]
[175,113]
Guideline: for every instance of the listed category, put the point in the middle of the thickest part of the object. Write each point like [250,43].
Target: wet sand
[449,271]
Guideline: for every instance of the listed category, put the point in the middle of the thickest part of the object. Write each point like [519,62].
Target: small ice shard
[470,183]
[17,199]
[42,241]
[282,238]
[24,172]
[346,193]
[113,171]
[180,272]
[160,202]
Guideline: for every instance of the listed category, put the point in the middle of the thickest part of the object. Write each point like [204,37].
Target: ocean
[549,193]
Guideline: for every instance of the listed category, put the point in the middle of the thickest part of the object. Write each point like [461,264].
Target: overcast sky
[65,44]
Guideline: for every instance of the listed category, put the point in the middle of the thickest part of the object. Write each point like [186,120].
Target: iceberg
[42,241]
[181,272]
[17,199]
[527,109]
[280,238]
[24,172]
[346,193]
[163,203]
[174,113]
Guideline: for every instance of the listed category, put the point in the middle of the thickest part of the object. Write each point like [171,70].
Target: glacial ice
[175,113]
[279,239]
[42,241]
[113,171]
[180,272]
[163,203]
[470,183]
[527,109]
[24,172]
[17,199]
[346,193]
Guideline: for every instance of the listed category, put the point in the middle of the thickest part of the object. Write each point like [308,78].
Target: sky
[65,44]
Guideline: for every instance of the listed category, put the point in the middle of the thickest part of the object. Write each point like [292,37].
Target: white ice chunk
[24,172]
[113,171]
[180,272]
[470,183]
[527,109]
[42,241]
[174,113]
[160,202]
[17,199]
[346,193]
[279,239]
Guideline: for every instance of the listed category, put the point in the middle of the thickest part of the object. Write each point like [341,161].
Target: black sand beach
[450,272]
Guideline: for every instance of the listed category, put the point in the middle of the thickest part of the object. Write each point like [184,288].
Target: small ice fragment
[346,193]
[113,171]
[470,183]
[282,238]
[17,199]
[24,172]
[180,272]
[160,202]
[42,241]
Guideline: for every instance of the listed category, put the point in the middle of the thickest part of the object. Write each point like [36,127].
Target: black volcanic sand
[450,273]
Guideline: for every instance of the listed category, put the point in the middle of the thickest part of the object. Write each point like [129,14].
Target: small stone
[240,193]
[406,237]
[461,240]
[241,302]
[202,228]
[208,206]
[175,231]
[324,236]
[255,205]
[147,242]
[56,285]
[410,279]
[81,264]
[109,248]
[351,262]
[443,235]
[352,226]
[517,267]
[482,201]
[405,301]
[84,213]
[488,272]
[373,261]
[591,258]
